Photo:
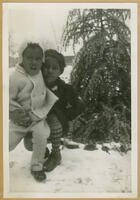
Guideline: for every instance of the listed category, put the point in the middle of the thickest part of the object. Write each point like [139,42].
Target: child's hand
[20,117]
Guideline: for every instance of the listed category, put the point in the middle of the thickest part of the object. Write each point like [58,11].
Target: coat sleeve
[75,104]
[13,91]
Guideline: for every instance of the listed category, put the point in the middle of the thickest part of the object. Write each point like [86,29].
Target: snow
[80,171]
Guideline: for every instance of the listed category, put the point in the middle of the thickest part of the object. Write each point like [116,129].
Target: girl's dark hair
[58,56]
[32,45]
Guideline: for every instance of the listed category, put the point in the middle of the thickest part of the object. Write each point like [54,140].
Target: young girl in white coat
[28,106]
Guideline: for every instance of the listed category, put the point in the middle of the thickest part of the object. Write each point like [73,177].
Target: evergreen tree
[101,73]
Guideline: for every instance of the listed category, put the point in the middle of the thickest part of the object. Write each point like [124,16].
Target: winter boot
[53,160]
[39,175]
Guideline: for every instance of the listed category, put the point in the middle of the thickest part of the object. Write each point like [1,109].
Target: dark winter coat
[69,104]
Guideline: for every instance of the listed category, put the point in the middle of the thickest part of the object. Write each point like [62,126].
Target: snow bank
[81,171]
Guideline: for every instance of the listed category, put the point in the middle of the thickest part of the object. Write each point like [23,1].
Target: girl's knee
[42,134]
[46,133]
[43,128]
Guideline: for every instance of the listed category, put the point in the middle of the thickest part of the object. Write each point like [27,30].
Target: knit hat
[58,56]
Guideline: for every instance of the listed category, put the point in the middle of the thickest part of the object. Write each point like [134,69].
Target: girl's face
[51,70]
[32,61]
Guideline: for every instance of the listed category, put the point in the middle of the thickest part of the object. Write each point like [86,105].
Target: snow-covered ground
[81,171]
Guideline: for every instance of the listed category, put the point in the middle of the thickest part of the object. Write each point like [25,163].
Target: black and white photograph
[70,100]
